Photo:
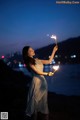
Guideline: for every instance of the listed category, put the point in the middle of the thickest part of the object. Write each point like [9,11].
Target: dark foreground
[13,96]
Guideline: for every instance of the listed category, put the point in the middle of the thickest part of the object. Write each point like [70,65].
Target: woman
[37,96]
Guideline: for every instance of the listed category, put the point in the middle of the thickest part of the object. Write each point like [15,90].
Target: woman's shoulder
[37,59]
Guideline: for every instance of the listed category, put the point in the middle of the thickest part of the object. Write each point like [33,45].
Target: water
[65,81]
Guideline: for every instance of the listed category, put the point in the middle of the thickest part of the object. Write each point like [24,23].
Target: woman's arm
[51,57]
[40,72]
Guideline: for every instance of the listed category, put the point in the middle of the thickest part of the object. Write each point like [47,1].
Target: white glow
[53,37]
[73,56]
[56,56]
[56,67]
[47,34]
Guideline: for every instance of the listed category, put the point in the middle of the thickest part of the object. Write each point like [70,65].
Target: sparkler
[54,37]
[55,67]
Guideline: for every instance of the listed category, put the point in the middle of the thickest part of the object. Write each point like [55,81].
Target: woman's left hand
[55,48]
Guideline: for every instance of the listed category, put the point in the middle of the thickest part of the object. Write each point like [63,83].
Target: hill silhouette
[67,48]
[13,97]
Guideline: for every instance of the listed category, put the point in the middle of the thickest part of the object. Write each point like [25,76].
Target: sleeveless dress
[37,95]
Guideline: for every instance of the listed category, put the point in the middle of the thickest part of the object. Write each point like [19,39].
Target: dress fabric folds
[37,95]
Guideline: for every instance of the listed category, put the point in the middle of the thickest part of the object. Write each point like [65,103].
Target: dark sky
[28,22]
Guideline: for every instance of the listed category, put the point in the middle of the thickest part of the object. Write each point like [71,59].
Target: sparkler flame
[56,67]
[53,37]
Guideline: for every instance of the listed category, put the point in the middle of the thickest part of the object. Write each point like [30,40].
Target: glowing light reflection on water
[65,81]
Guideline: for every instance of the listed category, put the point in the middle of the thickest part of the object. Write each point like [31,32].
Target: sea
[65,81]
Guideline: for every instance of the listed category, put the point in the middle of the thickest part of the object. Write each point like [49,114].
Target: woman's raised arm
[51,57]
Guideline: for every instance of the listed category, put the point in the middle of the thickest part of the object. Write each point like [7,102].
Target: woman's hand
[50,73]
[55,48]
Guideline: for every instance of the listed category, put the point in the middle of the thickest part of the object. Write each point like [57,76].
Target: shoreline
[13,92]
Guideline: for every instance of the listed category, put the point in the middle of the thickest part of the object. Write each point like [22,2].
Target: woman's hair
[27,60]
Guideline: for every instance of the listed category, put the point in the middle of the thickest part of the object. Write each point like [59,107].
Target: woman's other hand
[50,74]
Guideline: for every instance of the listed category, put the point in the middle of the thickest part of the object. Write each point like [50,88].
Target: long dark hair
[27,60]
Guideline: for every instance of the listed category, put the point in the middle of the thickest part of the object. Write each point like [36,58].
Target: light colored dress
[37,96]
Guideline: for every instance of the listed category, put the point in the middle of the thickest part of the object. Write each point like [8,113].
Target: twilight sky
[27,22]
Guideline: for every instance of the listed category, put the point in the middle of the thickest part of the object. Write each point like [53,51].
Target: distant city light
[59,62]
[24,65]
[20,65]
[8,63]
[56,56]
[53,62]
[73,56]
[2,56]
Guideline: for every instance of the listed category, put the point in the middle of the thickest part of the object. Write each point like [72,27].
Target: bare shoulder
[37,59]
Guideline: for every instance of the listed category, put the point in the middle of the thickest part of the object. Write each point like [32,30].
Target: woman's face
[31,52]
